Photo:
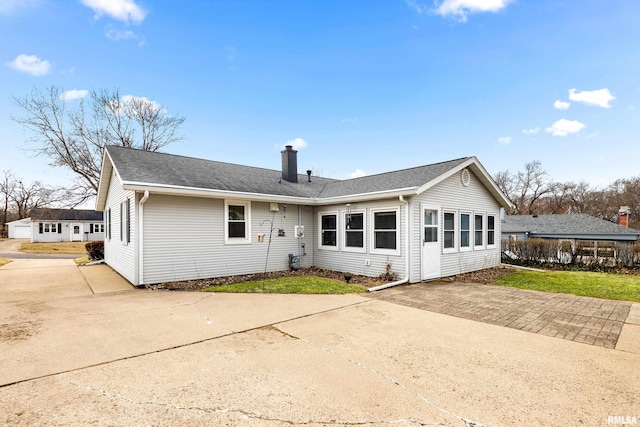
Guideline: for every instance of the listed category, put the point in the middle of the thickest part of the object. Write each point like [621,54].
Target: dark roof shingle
[565,224]
[144,167]
[49,214]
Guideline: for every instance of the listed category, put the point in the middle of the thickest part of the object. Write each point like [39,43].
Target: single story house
[59,225]
[173,218]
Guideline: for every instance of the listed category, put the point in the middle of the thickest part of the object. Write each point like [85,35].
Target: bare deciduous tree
[74,135]
[6,191]
[524,188]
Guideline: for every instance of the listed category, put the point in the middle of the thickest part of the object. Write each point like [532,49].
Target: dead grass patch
[54,248]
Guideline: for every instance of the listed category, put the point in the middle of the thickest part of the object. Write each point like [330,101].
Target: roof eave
[260,197]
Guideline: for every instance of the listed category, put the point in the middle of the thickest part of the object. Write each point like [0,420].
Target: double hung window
[329,230]
[449,231]
[491,230]
[237,221]
[354,231]
[385,231]
[465,224]
[479,230]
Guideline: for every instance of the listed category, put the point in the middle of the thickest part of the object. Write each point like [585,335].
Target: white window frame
[335,247]
[484,231]
[456,231]
[469,230]
[495,220]
[125,217]
[363,249]
[372,231]
[247,222]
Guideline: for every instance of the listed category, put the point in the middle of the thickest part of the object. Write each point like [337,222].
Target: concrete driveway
[73,357]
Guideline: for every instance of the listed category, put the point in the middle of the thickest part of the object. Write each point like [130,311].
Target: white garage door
[21,232]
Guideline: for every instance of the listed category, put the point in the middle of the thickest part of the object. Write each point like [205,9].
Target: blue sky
[357,86]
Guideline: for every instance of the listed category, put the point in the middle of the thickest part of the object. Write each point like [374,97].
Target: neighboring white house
[172,218]
[19,229]
[59,225]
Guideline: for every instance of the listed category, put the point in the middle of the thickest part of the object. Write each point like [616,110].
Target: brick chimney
[623,214]
[289,164]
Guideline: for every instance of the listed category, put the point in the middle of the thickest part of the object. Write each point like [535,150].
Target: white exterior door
[430,242]
[76,232]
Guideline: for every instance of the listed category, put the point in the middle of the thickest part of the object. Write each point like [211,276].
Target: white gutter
[140,228]
[407,244]
[260,197]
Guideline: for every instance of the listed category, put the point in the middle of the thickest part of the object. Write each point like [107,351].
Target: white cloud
[128,105]
[459,9]
[74,94]
[504,140]
[122,10]
[357,173]
[564,127]
[116,35]
[561,105]
[600,97]
[30,64]
[297,143]
[531,131]
[9,6]
[419,8]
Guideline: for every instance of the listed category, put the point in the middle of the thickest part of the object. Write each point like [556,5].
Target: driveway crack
[467,422]
[242,413]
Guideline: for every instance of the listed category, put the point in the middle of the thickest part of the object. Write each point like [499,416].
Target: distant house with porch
[59,225]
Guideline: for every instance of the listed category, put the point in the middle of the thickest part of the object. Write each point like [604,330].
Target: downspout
[407,244]
[140,238]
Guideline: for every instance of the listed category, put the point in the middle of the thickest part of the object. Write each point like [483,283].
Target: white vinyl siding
[184,239]
[365,262]
[118,256]
[453,197]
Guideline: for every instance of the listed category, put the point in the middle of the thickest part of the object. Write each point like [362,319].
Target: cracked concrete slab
[184,358]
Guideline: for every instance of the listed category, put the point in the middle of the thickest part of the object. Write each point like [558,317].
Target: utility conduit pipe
[140,242]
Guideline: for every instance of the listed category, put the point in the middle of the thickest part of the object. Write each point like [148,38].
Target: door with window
[76,232]
[430,242]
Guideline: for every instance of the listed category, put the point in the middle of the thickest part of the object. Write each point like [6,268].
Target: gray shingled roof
[567,225]
[47,214]
[137,166]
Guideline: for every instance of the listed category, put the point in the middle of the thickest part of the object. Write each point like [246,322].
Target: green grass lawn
[290,285]
[597,285]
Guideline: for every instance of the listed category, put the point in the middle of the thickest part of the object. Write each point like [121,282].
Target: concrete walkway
[592,321]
